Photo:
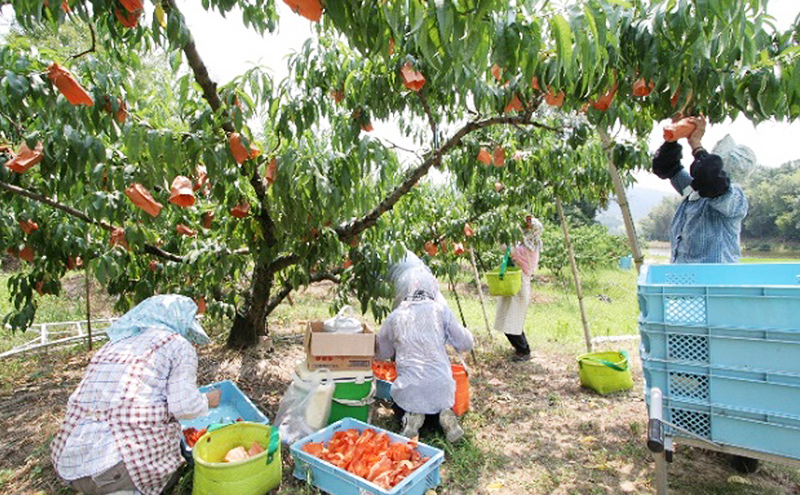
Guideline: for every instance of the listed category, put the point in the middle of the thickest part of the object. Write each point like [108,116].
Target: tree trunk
[250,321]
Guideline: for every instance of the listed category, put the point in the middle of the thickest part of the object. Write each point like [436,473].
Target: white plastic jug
[319,404]
[343,322]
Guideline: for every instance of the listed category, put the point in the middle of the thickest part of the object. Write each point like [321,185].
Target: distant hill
[641,200]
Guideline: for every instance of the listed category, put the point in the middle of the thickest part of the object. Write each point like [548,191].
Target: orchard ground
[531,430]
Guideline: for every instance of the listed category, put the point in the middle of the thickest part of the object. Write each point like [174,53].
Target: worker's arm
[457,336]
[384,342]
[184,400]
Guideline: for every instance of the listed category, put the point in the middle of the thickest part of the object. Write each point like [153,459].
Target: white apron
[510,314]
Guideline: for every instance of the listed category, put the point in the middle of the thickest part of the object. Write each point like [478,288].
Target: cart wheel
[744,465]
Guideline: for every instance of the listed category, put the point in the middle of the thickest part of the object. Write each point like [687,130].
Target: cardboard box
[338,351]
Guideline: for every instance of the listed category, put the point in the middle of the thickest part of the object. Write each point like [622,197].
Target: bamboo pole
[87,274]
[579,289]
[480,289]
[622,199]
[463,320]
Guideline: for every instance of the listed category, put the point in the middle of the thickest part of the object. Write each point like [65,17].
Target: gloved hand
[667,161]
[710,181]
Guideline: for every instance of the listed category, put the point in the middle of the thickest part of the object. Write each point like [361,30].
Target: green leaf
[563,36]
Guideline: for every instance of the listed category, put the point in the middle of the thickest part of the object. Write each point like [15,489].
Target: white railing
[60,333]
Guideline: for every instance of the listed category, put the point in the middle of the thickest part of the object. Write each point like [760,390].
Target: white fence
[53,334]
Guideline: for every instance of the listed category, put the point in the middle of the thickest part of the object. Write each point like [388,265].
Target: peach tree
[237,194]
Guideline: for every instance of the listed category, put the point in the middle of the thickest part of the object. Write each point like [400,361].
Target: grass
[554,320]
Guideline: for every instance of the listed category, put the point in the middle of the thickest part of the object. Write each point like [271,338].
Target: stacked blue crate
[723,344]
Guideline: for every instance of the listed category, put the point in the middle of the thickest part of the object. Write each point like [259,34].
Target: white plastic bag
[306,406]
[344,322]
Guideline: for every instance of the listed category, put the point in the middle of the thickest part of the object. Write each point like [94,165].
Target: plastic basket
[757,296]
[505,281]
[605,372]
[626,262]
[507,284]
[736,427]
[254,476]
[337,481]
[775,393]
[383,389]
[748,349]
[233,404]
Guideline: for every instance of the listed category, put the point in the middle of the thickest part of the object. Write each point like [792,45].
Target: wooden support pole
[578,288]
[87,275]
[480,290]
[622,199]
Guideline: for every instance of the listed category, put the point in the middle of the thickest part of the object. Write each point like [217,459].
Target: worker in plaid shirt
[121,430]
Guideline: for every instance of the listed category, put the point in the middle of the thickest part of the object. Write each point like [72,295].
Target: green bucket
[605,372]
[254,476]
[505,281]
[352,398]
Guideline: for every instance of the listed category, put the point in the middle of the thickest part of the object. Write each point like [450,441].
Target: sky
[228,49]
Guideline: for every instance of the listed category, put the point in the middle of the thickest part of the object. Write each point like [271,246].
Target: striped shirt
[707,230]
[168,382]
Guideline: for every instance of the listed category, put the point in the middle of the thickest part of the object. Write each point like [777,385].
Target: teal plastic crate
[336,481]
[383,389]
[736,427]
[626,262]
[771,393]
[722,341]
[758,296]
[233,404]
[746,349]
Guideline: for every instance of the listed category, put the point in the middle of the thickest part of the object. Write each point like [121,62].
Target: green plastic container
[505,281]
[254,476]
[352,397]
[605,372]
[506,285]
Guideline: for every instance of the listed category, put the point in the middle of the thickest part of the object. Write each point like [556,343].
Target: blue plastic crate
[233,404]
[383,389]
[626,262]
[752,430]
[337,481]
[770,393]
[747,349]
[759,296]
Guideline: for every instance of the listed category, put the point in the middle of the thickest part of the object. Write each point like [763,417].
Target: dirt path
[532,429]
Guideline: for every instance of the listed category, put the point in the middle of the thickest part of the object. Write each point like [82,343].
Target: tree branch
[282,262]
[91,48]
[287,288]
[424,100]
[199,69]
[83,216]
[279,296]
[350,229]
[20,129]
[55,204]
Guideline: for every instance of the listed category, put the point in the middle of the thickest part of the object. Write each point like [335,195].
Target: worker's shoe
[412,422]
[452,430]
[519,357]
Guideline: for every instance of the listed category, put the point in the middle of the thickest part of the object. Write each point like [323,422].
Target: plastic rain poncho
[416,334]
[407,272]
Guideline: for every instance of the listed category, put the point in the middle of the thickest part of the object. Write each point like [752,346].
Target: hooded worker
[416,334]
[707,226]
[121,430]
